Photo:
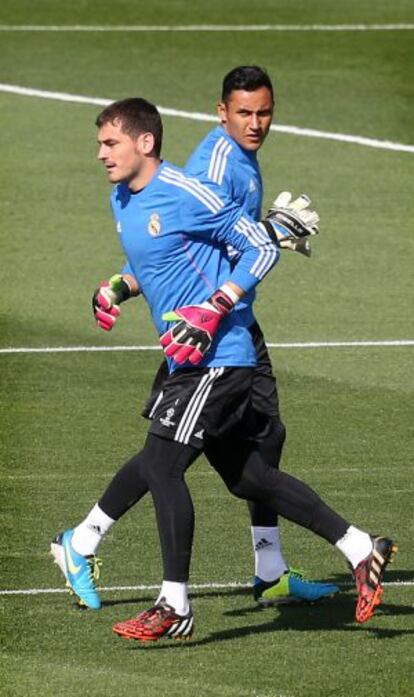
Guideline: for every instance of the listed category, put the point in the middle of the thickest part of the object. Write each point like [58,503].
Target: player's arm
[214,219]
[110,294]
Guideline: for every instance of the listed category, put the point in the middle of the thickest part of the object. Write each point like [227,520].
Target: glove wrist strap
[270,229]
[121,287]
[223,300]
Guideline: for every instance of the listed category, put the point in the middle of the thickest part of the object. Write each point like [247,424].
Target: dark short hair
[245,77]
[136,116]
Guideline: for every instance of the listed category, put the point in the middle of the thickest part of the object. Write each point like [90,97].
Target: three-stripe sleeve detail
[194,187]
[259,238]
[218,160]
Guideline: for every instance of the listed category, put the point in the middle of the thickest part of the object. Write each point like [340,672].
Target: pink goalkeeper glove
[106,300]
[192,336]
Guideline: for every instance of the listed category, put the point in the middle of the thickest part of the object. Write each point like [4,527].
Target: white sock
[355,545]
[269,563]
[175,594]
[91,531]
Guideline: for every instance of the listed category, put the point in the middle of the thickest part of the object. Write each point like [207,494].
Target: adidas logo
[95,528]
[262,544]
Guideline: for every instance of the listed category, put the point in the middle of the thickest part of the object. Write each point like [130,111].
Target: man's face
[247,116]
[120,154]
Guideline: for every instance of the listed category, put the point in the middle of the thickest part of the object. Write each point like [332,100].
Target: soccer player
[173,229]
[228,157]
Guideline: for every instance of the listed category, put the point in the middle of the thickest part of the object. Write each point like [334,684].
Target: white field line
[150,587]
[287,345]
[205,27]
[200,116]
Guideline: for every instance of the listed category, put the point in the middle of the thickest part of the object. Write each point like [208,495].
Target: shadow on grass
[344,581]
[332,614]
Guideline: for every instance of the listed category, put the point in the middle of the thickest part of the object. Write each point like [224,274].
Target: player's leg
[269,562]
[74,550]
[81,543]
[164,465]
[194,403]
[126,488]
[368,556]
[281,585]
[269,434]
[275,582]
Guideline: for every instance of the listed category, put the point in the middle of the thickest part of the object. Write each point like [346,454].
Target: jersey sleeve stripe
[197,194]
[193,186]
[259,229]
[267,259]
[218,160]
[214,155]
[224,164]
[252,232]
[268,253]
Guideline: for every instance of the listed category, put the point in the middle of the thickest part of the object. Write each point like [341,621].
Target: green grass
[64,450]
[69,420]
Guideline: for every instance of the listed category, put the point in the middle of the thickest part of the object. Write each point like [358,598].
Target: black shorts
[264,397]
[196,404]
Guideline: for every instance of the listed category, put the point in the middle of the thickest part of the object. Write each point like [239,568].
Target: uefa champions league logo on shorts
[166,421]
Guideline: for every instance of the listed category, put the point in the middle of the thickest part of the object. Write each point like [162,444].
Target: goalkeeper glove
[192,336]
[106,300]
[289,222]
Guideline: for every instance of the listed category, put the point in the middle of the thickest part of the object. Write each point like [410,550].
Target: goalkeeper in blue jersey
[228,156]
[173,230]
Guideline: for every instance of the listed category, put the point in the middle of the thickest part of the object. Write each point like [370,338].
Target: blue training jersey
[236,170]
[173,233]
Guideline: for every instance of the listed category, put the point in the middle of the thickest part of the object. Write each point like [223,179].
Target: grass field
[68,420]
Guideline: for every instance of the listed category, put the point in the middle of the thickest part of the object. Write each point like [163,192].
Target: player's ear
[222,112]
[146,142]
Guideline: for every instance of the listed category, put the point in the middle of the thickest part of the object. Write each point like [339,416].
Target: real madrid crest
[154,225]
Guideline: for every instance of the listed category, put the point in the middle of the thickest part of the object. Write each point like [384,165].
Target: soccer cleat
[291,588]
[80,572]
[368,576]
[157,622]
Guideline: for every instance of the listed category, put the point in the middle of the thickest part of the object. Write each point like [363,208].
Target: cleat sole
[368,612]
[365,613]
[124,634]
[292,600]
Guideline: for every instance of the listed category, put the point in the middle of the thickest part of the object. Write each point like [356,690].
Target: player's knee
[252,485]
[271,445]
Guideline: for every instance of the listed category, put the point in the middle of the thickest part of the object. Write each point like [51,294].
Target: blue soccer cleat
[291,588]
[80,572]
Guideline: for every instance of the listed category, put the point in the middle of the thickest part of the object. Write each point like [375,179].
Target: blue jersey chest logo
[154,225]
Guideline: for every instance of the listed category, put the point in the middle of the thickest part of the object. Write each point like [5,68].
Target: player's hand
[106,300]
[293,221]
[192,336]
